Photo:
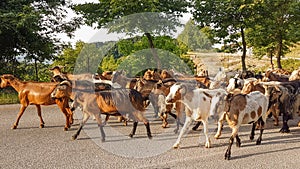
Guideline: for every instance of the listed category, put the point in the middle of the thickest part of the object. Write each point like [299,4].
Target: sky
[89,34]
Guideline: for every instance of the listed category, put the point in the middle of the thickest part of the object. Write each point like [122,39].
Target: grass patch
[8,96]
[290,64]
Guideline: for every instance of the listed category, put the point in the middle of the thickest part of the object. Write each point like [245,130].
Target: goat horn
[66,82]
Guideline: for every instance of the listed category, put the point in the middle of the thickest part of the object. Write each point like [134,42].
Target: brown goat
[37,93]
[56,70]
[271,76]
[127,101]
[69,89]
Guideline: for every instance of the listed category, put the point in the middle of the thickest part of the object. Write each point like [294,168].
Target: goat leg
[262,123]
[220,126]
[285,127]
[253,131]
[238,141]
[198,123]
[187,123]
[101,132]
[228,151]
[133,129]
[148,130]
[39,111]
[22,109]
[74,137]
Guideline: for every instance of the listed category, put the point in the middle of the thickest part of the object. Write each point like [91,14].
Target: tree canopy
[276,28]
[269,26]
[28,29]
[154,17]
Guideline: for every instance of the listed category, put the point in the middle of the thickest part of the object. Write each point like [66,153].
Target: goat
[161,90]
[272,76]
[295,75]
[287,94]
[242,109]
[236,84]
[56,70]
[37,93]
[197,103]
[121,101]
[68,89]
[151,75]
[256,86]
[122,80]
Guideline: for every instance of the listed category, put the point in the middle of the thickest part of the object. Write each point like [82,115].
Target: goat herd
[197,98]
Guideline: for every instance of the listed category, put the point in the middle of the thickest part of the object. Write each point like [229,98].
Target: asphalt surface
[29,146]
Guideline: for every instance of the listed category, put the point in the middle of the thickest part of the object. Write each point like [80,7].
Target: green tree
[194,37]
[146,17]
[276,28]
[28,29]
[68,57]
[228,18]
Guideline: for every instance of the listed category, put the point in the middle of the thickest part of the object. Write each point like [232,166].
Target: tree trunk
[153,51]
[36,70]
[279,52]
[243,57]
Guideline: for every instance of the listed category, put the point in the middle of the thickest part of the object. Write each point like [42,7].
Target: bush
[8,96]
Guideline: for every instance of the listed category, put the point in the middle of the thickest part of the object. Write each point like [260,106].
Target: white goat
[243,109]
[198,106]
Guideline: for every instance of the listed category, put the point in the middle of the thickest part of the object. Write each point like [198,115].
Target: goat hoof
[164,125]
[176,146]
[207,145]
[176,131]
[251,137]
[130,135]
[66,128]
[74,137]
[42,126]
[258,142]
[149,136]
[14,127]
[217,136]
[103,140]
[227,157]
[299,124]
[284,130]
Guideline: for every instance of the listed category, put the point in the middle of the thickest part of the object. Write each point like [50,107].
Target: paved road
[51,147]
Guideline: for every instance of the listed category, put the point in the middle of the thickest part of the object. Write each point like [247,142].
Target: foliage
[8,96]
[107,11]
[276,27]
[152,18]
[228,20]
[68,57]
[142,60]
[109,63]
[29,68]
[108,56]
[28,30]
[194,37]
